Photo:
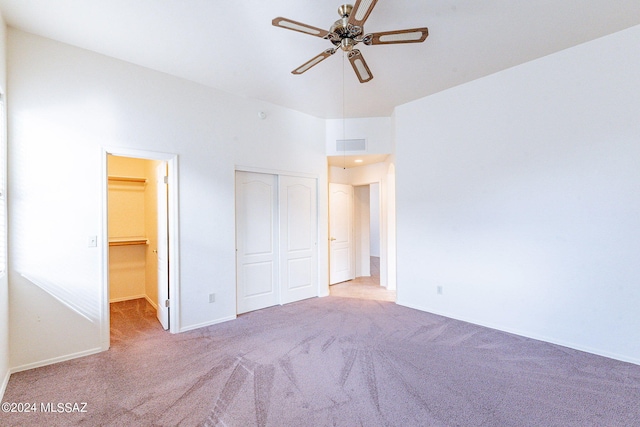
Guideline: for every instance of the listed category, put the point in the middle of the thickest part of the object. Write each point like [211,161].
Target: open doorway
[366,233]
[140,235]
[366,227]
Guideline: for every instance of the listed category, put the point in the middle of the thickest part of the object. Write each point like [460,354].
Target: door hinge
[165,179]
[166,303]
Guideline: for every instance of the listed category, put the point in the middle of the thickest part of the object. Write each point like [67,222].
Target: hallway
[364,287]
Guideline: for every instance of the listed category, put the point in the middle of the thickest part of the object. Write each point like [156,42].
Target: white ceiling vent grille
[351,145]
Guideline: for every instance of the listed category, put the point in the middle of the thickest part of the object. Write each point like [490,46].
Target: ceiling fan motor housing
[342,34]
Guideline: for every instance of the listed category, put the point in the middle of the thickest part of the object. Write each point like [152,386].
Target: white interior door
[298,238]
[163,245]
[256,241]
[342,256]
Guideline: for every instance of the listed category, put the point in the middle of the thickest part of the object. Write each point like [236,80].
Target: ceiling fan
[347,32]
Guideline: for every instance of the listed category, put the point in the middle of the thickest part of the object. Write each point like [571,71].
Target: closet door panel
[299,235]
[256,241]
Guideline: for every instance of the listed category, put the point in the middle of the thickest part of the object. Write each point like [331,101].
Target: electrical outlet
[439,290]
[212,298]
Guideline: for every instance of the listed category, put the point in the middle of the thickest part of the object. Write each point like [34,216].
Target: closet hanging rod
[128,241]
[127,179]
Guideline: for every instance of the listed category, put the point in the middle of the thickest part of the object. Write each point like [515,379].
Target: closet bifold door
[298,238]
[276,240]
[256,241]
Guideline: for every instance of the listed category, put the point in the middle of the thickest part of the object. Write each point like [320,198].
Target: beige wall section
[132,214]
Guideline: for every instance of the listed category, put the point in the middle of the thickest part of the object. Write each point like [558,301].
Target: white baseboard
[597,352]
[56,360]
[128,298]
[153,304]
[3,386]
[202,325]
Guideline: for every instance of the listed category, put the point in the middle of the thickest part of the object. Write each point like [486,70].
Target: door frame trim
[172,212]
[278,172]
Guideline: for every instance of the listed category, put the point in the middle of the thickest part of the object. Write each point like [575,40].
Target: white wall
[377,132]
[67,105]
[4,294]
[374,215]
[362,230]
[518,194]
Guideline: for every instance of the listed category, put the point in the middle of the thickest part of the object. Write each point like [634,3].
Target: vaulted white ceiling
[232,46]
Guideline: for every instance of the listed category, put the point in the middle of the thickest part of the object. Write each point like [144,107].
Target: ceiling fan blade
[360,66]
[414,35]
[361,11]
[299,26]
[314,61]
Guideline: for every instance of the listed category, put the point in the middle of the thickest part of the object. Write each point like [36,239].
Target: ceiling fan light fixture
[347,44]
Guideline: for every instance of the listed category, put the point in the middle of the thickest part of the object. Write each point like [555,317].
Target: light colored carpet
[329,362]
[364,287]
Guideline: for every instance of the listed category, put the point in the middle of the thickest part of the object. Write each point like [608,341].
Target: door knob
[332,239]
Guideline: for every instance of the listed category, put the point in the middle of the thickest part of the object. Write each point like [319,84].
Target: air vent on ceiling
[351,145]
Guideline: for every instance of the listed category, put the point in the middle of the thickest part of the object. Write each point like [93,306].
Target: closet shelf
[128,241]
[128,179]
